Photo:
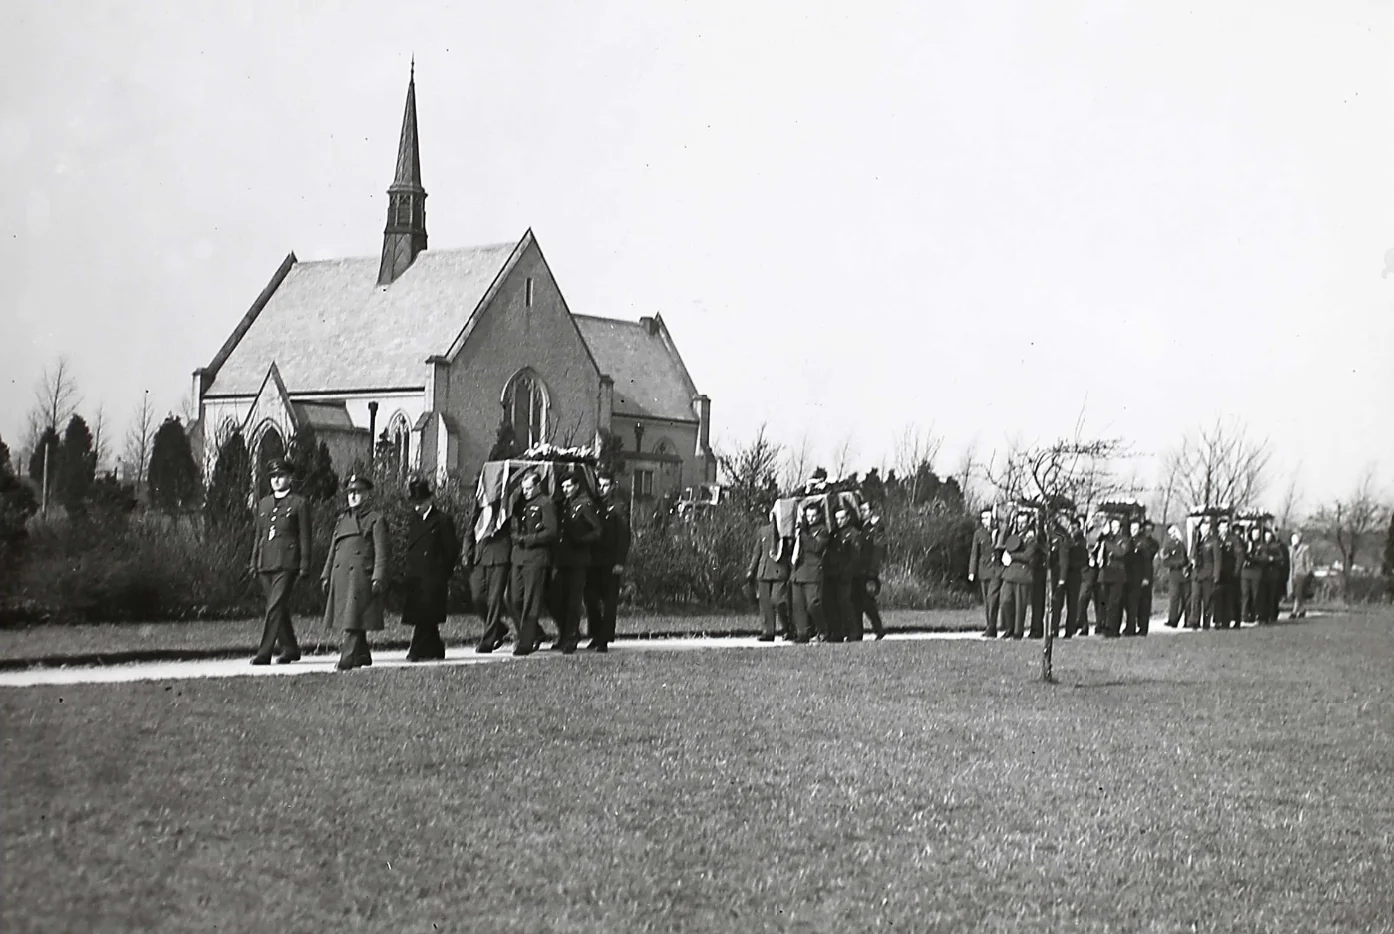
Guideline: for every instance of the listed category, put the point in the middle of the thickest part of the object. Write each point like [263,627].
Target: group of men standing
[561,555]
[819,583]
[1222,579]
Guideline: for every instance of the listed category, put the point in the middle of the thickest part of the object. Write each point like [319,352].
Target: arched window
[525,407]
[664,446]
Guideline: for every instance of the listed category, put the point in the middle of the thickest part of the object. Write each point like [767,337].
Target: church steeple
[405,235]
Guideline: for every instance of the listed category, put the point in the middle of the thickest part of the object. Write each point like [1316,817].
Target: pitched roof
[650,379]
[323,416]
[330,327]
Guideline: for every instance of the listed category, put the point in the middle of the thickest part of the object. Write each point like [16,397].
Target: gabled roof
[650,378]
[331,328]
[323,416]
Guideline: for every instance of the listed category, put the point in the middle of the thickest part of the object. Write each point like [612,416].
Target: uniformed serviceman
[1132,588]
[806,574]
[1301,575]
[433,550]
[1274,576]
[769,575]
[493,564]
[1148,545]
[1066,574]
[1229,558]
[609,555]
[1112,556]
[1203,552]
[1078,618]
[867,587]
[1090,594]
[985,567]
[1177,564]
[1040,580]
[354,576]
[841,568]
[1019,551]
[534,531]
[280,555]
[571,558]
[1251,575]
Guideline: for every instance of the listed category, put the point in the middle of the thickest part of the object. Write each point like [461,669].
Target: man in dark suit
[985,568]
[433,549]
[841,567]
[280,554]
[534,531]
[806,574]
[608,557]
[769,575]
[571,559]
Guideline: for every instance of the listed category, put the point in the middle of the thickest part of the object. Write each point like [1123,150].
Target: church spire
[405,234]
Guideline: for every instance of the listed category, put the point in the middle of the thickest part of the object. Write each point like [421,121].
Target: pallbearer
[1066,573]
[608,558]
[493,559]
[841,568]
[1177,564]
[1112,556]
[534,531]
[806,573]
[433,549]
[867,588]
[1019,551]
[580,530]
[354,575]
[280,555]
[1204,573]
[769,575]
[1251,576]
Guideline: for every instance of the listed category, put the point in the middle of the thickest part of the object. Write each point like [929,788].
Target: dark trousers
[277,630]
[1251,586]
[848,610]
[1088,594]
[569,588]
[1066,599]
[1178,594]
[1144,606]
[864,604]
[1113,593]
[1222,604]
[1132,599]
[529,594]
[837,597]
[1202,602]
[426,642]
[992,601]
[1015,597]
[806,604]
[1038,602]
[602,602]
[773,597]
[356,652]
[496,605]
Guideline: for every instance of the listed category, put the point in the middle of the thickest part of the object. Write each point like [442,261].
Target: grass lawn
[1239,781]
[233,637]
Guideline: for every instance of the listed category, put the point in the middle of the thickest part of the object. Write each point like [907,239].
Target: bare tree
[798,463]
[1007,473]
[139,438]
[1221,466]
[100,444]
[55,400]
[914,447]
[1348,522]
[1168,486]
[751,470]
[842,456]
[966,473]
[1290,505]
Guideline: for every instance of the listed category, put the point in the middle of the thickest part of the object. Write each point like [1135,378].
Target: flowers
[543,451]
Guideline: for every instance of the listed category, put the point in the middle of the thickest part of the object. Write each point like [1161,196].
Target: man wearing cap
[1114,550]
[841,565]
[609,555]
[280,554]
[1066,569]
[1146,545]
[1019,551]
[1203,558]
[535,531]
[354,578]
[867,587]
[768,573]
[1176,562]
[806,574]
[1228,560]
[493,563]
[985,568]
[433,549]
[571,558]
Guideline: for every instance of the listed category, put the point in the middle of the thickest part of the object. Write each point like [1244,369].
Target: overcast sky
[982,217]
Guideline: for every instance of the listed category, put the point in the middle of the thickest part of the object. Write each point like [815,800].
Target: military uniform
[867,584]
[493,560]
[1066,575]
[534,530]
[1251,579]
[611,550]
[1204,574]
[769,573]
[1115,549]
[1018,554]
[1147,548]
[1177,563]
[841,568]
[1274,574]
[984,563]
[571,561]
[1080,565]
[354,579]
[1229,558]
[806,582]
[280,554]
[433,550]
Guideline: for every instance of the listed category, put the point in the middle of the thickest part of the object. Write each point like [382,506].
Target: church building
[435,349]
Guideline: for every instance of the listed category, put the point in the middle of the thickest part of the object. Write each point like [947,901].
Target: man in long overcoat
[355,573]
[280,555]
[433,549]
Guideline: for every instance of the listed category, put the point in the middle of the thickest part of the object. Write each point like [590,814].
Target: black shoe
[603,648]
[765,638]
[346,664]
[261,660]
[363,661]
[568,648]
[521,650]
[286,658]
[484,648]
[880,635]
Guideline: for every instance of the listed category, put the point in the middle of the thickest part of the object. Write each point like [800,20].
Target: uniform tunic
[357,560]
[280,554]
[769,572]
[985,564]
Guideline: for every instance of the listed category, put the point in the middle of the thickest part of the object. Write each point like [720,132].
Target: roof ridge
[430,252]
[634,322]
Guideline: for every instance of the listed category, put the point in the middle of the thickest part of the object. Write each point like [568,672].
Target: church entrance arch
[269,446]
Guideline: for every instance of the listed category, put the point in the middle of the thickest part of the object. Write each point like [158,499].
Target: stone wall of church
[512,335]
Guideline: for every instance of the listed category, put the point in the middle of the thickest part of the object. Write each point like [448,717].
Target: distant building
[430,351]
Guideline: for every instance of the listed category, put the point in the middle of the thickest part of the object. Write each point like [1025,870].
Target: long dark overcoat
[433,549]
[357,559]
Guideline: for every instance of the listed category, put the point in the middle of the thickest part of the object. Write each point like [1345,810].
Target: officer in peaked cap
[534,529]
[280,555]
[354,578]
